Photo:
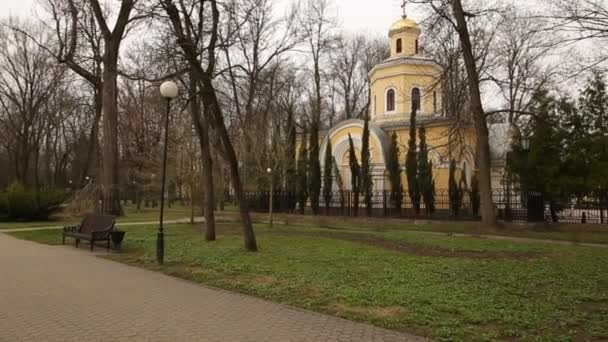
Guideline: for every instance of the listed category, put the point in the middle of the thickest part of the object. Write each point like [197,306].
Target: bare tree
[347,67]
[252,51]
[192,31]
[317,25]
[583,20]
[112,39]
[28,80]
[523,47]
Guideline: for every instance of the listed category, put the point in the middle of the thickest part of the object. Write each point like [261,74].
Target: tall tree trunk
[91,158]
[483,146]
[111,193]
[211,106]
[112,40]
[202,129]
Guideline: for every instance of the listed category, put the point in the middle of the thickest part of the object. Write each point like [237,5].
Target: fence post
[350,198]
[384,202]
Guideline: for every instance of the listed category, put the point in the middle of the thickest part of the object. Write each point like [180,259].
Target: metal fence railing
[510,206]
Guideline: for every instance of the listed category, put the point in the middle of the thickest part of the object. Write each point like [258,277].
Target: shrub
[22,204]
[3,205]
[50,202]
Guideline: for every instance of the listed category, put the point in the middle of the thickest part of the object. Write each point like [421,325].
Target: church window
[434,102]
[416,99]
[399,46]
[416,47]
[390,100]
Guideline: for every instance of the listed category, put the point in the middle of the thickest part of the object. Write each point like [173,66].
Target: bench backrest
[95,223]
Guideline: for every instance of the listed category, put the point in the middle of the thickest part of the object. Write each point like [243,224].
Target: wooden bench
[93,228]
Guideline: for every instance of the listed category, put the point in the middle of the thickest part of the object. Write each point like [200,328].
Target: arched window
[390,100]
[416,99]
[434,102]
[416,47]
[399,45]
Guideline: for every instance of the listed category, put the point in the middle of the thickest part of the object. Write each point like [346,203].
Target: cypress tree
[327,178]
[355,173]
[302,176]
[411,165]
[475,201]
[394,172]
[339,182]
[314,189]
[425,173]
[338,178]
[454,190]
[366,174]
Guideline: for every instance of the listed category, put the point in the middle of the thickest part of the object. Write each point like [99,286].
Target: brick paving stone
[63,294]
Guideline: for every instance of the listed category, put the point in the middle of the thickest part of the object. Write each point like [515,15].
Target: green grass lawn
[590,233]
[131,215]
[443,287]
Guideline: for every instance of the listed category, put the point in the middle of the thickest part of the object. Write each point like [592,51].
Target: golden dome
[403,24]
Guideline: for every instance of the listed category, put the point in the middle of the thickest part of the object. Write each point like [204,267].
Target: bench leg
[63,239]
[77,242]
[92,244]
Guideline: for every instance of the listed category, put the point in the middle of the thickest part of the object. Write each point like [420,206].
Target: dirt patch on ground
[416,249]
[378,312]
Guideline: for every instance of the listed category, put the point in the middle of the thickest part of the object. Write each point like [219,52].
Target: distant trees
[32,98]
[302,175]
[567,155]
[317,26]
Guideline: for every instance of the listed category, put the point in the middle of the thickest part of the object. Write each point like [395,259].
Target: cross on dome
[404,3]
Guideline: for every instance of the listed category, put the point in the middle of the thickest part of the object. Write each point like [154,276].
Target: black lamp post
[535,202]
[269,172]
[168,90]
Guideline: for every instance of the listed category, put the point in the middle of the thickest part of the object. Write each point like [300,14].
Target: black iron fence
[510,206]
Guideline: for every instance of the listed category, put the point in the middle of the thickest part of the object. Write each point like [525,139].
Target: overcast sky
[369,16]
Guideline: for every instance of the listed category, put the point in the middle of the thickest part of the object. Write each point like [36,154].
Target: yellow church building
[409,77]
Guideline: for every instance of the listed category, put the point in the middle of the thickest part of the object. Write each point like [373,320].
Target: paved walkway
[58,293]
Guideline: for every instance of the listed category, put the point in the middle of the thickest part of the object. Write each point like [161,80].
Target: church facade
[406,78]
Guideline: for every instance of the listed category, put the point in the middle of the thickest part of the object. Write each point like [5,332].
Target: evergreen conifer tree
[474,194]
[411,165]
[327,177]
[394,172]
[339,182]
[594,106]
[366,174]
[454,190]
[355,173]
[425,173]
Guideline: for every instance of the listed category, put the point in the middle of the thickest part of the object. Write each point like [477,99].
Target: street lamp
[168,90]
[269,172]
